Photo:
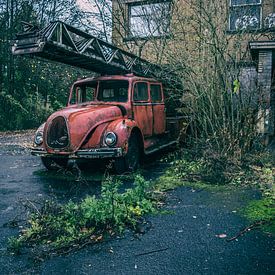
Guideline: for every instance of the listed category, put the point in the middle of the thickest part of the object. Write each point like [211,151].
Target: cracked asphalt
[186,240]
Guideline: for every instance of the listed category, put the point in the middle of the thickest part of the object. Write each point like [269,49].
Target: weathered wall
[187,29]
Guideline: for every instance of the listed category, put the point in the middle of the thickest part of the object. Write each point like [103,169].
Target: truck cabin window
[83,93]
[156,95]
[113,91]
[141,91]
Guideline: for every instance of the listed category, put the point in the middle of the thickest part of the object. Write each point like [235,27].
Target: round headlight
[38,140]
[110,139]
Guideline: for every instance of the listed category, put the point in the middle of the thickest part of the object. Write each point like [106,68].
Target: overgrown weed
[256,168]
[57,229]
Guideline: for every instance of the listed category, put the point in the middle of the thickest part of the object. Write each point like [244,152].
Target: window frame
[148,92]
[239,6]
[115,80]
[161,93]
[131,4]
[75,92]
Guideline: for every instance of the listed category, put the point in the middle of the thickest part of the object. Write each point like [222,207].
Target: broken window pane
[245,15]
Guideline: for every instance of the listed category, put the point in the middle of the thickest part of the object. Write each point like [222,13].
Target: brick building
[152,28]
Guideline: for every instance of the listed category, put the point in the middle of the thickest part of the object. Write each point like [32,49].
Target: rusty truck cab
[140,99]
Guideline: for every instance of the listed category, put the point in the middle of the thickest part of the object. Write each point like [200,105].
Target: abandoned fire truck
[120,115]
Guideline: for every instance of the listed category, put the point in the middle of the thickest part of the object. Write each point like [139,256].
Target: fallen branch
[151,252]
[249,228]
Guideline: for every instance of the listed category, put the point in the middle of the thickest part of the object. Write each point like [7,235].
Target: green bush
[16,115]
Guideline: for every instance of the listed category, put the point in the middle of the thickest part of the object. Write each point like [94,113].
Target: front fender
[123,128]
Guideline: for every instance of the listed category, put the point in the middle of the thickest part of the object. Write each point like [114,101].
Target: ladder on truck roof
[66,44]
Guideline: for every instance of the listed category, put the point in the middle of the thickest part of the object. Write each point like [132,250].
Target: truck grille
[57,135]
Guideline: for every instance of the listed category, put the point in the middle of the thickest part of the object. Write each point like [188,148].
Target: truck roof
[126,77]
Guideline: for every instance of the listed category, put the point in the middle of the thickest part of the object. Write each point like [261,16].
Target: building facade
[247,27]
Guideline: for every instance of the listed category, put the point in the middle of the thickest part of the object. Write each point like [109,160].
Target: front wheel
[130,162]
[54,164]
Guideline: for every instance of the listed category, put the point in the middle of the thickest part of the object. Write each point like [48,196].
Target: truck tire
[132,159]
[54,164]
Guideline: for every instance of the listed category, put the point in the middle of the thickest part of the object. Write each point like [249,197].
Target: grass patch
[191,167]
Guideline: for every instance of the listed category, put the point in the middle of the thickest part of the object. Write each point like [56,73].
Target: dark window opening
[245,15]
[156,95]
[141,92]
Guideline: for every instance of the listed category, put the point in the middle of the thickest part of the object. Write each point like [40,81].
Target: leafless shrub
[220,95]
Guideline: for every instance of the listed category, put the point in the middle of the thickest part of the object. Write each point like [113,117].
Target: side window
[156,95]
[83,93]
[141,92]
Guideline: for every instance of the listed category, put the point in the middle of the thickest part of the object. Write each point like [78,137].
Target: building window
[245,15]
[149,19]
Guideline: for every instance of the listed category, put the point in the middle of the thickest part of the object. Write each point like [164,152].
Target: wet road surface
[184,242]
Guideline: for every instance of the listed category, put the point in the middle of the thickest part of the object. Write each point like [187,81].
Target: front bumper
[82,154]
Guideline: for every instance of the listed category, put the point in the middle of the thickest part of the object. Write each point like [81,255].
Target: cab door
[158,107]
[142,108]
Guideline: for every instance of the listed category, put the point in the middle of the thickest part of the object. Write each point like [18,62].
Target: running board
[153,150]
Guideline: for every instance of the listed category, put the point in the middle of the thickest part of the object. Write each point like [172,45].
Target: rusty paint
[81,121]
[89,123]
[123,129]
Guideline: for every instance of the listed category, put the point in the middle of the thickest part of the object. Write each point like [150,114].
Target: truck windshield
[113,91]
[108,91]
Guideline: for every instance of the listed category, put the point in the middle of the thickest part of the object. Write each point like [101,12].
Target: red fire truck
[121,115]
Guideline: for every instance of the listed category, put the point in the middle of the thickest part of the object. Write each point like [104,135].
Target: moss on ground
[262,210]
[257,171]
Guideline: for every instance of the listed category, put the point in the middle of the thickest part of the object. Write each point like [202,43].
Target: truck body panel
[120,107]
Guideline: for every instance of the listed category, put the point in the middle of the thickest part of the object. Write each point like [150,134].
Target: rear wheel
[132,159]
[54,164]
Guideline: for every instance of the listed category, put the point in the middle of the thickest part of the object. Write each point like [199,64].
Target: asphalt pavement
[189,239]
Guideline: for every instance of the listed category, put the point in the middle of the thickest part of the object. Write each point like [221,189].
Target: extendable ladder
[66,44]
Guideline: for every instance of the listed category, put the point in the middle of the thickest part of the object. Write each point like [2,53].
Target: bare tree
[220,94]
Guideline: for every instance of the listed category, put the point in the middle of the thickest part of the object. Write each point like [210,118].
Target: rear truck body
[110,117]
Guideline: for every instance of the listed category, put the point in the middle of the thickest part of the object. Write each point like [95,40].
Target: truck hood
[76,122]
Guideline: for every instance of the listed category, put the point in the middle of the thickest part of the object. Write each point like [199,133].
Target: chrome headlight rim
[38,139]
[110,139]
